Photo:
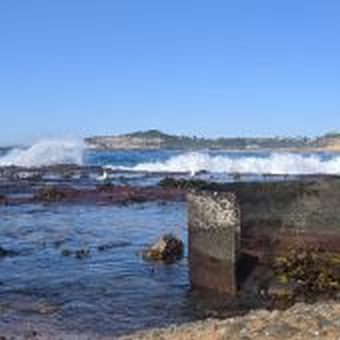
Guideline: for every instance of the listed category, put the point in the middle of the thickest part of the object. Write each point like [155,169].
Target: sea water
[50,152]
[112,290]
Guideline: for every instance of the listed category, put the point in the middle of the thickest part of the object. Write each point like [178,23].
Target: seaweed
[314,272]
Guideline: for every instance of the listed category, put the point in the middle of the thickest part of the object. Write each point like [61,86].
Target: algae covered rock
[50,194]
[313,272]
[167,249]
[182,184]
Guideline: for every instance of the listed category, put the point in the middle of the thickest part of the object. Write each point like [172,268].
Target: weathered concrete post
[214,240]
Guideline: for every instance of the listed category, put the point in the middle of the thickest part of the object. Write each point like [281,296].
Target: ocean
[51,152]
[112,290]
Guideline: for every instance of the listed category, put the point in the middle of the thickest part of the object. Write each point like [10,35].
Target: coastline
[158,140]
[333,149]
[60,186]
[300,322]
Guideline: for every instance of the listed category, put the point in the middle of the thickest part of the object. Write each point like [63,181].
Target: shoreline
[299,322]
[302,321]
[335,149]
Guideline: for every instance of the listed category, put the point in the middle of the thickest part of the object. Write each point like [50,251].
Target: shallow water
[109,292]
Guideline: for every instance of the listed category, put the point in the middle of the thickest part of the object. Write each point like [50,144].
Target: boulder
[167,249]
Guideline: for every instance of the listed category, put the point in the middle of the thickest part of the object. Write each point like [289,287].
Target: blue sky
[213,67]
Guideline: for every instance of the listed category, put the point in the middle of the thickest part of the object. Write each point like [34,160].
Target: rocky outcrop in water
[113,194]
[167,249]
[50,194]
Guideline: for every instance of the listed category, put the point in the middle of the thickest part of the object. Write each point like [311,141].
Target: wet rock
[58,243]
[82,253]
[66,252]
[3,200]
[192,184]
[237,176]
[167,249]
[78,254]
[50,194]
[183,184]
[5,252]
[311,272]
[106,186]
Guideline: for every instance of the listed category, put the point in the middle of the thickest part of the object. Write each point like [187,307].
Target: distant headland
[154,140]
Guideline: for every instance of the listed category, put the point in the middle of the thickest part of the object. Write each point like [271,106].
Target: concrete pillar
[214,240]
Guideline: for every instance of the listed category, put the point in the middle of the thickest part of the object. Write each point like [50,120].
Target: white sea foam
[276,163]
[44,153]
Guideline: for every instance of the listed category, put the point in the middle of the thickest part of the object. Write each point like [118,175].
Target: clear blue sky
[213,67]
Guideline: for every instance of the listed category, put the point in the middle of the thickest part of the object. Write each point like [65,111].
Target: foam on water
[44,153]
[275,163]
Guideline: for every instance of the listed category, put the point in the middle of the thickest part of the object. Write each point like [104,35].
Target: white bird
[104,177]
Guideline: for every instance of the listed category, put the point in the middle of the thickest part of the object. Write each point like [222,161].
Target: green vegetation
[154,139]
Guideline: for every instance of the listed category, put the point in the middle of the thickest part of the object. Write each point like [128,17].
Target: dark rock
[3,200]
[78,254]
[167,249]
[192,184]
[182,184]
[313,272]
[5,252]
[237,176]
[82,253]
[106,186]
[66,252]
[58,243]
[50,194]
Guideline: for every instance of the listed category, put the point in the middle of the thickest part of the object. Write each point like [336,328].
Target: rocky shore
[302,321]
[294,276]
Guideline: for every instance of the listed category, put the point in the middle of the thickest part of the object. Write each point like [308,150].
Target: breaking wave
[44,153]
[275,164]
